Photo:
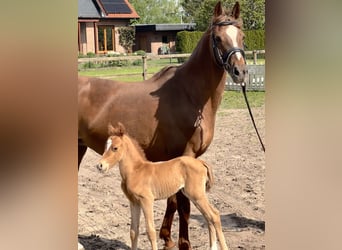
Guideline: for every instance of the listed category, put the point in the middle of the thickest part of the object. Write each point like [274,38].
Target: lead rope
[243,85]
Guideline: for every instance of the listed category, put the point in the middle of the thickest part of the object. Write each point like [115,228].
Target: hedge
[254,39]
[186,41]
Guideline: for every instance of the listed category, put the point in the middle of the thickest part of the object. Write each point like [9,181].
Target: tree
[157,11]
[252,12]
[126,38]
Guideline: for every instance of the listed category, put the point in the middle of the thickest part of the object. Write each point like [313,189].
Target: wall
[87,35]
[152,41]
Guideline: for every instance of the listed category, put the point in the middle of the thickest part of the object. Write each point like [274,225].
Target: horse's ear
[218,11]
[236,10]
[121,129]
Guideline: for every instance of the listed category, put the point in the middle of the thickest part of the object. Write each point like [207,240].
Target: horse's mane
[163,71]
[227,16]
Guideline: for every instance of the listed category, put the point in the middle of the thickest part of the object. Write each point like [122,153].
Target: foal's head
[114,148]
[227,41]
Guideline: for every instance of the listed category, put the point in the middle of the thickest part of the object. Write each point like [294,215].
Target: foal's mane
[120,131]
[136,145]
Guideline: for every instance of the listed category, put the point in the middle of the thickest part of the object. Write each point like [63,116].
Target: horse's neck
[207,77]
[132,159]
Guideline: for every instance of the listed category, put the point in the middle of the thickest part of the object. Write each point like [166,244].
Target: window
[164,39]
[106,38]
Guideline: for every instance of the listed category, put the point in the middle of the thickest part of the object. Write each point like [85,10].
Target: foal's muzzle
[101,167]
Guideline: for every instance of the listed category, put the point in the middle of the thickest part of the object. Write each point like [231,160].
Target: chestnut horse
[172,113]
[144,181]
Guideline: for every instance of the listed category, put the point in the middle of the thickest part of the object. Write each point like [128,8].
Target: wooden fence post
[144,67]
[255,57]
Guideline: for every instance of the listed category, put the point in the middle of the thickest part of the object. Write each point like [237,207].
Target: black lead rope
[243,85]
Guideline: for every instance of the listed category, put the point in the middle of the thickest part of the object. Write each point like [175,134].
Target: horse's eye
[114,149]
[218,39]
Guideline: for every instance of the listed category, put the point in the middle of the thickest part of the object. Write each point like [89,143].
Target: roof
[165,27]
[88,9]
[106,9]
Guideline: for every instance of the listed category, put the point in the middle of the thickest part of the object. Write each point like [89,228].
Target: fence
[256,79]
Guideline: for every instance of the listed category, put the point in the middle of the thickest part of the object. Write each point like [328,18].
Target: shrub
[126,38]
[140,52]
[186,41]
[88,65]
[91,54]
[255,39]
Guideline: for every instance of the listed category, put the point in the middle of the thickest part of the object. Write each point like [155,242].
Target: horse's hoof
[170,246]
[184,246]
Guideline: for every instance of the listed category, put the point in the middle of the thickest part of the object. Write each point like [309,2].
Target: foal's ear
[121,129]
[111,129]
[218,9]
[118,130]
[236,10]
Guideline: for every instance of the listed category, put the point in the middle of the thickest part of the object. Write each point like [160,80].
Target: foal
[144,181]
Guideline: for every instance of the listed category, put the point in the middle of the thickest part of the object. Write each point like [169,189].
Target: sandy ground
[238,193]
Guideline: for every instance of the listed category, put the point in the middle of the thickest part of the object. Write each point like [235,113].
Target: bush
[91,54]
[186,41]
[137,62]
[88,65]
[140,52]
[255,39]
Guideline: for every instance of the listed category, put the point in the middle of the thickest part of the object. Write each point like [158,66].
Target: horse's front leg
[165,230]
[183,208]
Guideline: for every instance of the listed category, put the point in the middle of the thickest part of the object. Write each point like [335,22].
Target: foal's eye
[114,149]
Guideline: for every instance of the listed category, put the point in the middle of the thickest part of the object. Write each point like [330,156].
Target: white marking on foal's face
[233,32]
[108,144]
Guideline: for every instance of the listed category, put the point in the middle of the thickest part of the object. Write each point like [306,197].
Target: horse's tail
[210,181]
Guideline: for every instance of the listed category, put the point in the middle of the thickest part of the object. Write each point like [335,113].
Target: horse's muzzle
[239,73]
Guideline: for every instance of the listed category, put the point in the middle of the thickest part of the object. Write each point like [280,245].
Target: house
[157,38]
[98,24]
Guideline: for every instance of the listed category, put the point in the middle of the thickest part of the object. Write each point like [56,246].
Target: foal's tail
[210,175]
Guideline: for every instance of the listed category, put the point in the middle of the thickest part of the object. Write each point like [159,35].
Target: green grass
[235,99]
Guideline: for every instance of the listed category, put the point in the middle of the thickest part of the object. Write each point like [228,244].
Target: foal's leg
[212,216]
[135,220]
[147,207]
[165,230]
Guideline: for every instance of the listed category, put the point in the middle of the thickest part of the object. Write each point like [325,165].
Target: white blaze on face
[232,32]
[108,144]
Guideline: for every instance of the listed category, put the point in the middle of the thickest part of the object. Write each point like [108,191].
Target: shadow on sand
[234,222]
[94,242]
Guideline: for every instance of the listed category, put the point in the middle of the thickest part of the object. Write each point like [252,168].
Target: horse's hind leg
[183,208]
[165,230]
[81,151]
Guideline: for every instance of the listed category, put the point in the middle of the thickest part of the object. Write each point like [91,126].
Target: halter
[223,59]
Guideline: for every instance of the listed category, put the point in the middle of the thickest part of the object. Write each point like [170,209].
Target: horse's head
[114,148]
[227,41]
